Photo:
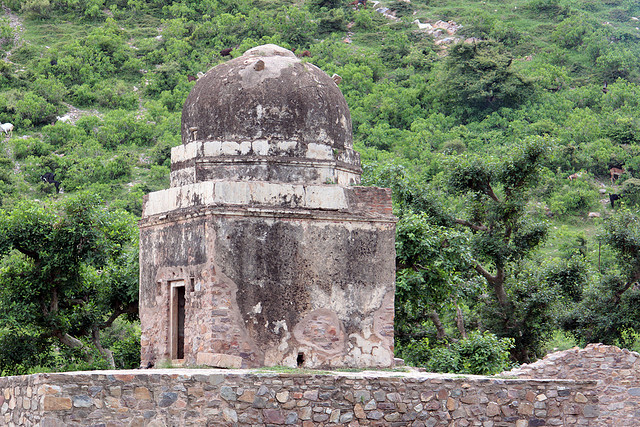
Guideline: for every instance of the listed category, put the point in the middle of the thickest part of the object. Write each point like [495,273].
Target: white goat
[7,128]
[421,26]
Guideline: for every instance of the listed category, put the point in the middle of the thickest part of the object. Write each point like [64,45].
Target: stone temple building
[265,251]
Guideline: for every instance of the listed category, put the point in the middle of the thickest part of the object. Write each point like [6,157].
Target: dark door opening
[176,329]
[180,327]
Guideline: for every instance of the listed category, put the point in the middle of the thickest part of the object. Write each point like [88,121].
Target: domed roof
[267,93]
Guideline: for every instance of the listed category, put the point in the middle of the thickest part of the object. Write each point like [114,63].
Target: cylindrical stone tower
[263,252]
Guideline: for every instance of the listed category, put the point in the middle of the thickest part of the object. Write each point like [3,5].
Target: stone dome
[266,116]
[267,93]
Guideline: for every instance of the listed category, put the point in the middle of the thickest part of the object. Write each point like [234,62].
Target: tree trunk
[441,334]
[496,282]
[460,322]
[72,342]
[105,352]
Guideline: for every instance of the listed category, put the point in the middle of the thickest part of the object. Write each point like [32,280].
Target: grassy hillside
[94,89]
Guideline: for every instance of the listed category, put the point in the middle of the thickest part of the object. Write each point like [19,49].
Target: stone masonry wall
[181,397]
[616,370]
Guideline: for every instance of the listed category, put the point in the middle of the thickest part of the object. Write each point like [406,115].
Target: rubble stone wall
[180,397]
[617,372]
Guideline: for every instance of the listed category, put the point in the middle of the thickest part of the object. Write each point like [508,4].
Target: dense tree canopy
[67,270]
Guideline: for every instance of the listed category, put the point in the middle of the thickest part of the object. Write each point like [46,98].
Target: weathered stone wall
[270,281]
[617,372]
[179,397]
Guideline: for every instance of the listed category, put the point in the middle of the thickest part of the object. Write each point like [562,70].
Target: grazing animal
[7,128]
[191,78]
[49,178]
[615,173]
[226,52]
[573,176]
[305,54]
[613,198]
[53,62]
[604,88]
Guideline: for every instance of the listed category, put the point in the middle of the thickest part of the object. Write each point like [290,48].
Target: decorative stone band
[274,169]
[266,194]
[264,160]
[263,147]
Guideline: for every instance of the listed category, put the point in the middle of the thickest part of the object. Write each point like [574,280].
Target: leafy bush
[33,109]
[575,199]
[623,129]
[631,191]
[123,339]
[364,20]
[52,89]
[481,353]
[333,20]
[20,351]
[61,134]
[24,148]
[551,8]
[115,94]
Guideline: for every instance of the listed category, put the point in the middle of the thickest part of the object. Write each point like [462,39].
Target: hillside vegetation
[497,133]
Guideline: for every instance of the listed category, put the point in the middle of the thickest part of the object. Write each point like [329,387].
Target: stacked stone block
[179,397]
[616,370]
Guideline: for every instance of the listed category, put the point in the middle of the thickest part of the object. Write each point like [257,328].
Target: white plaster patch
[178,154]
[191,150]
[273,67]
[232,192]
[261,147]
[230,148]
[343,121]
[286,145]
[284,343]
[382,356]
[348,299]
[319,151]
[212,148]
[270,194]
[246,192]
[326,197]
[257,309]
[280,324]
[245,147]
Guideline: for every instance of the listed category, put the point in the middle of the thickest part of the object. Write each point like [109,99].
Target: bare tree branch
[489,192]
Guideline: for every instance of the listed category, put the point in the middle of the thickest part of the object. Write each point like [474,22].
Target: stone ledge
[366,203]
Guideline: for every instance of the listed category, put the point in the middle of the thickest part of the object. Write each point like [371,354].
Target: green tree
[609,307]
[478,79]
[69,269]
[502,231]
[431,265]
